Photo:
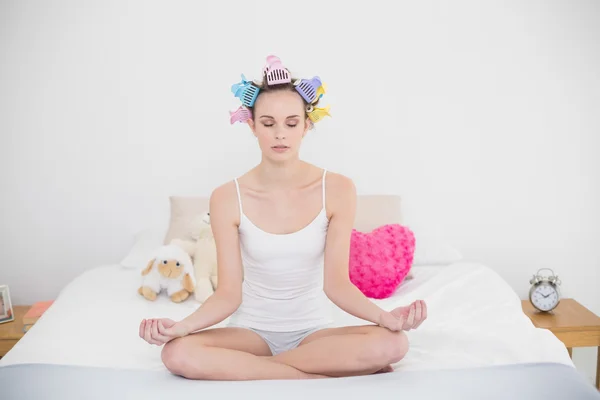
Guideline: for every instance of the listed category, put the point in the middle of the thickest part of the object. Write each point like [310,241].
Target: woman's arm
[228,295]
[337,285]
[341,201]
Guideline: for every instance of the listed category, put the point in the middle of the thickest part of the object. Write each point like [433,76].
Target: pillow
[381,259]
[183,211]
[435,251]
[145,244]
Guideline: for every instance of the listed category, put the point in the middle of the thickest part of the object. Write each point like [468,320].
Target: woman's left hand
[404,318]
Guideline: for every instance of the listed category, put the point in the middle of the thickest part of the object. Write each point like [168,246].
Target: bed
[476,343]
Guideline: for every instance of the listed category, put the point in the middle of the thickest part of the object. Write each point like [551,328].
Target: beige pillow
[373,210]
[183,211]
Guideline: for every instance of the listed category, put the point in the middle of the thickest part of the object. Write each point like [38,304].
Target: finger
[154,336]
[147,332]
[163,332]
[154,329]
[164,329]
[400,324]
[423,313]
[418,312]
[156,342]
[167,323]
[141,329]
[410,320]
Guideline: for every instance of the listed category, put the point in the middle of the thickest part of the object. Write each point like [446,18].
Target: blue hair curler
[245,91]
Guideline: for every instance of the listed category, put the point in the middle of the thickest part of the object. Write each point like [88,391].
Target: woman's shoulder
[339,184]
[224,200]
[340,195]
[224,191]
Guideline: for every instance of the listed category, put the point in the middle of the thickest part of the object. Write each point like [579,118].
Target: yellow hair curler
[317,114]
[320,92]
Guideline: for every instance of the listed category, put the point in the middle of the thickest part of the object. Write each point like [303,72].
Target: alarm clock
[544,294]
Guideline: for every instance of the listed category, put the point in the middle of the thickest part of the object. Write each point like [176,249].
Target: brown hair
[265,88]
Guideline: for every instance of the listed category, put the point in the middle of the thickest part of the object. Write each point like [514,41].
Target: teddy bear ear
[149,267]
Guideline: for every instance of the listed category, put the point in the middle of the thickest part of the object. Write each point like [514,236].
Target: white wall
[482,115]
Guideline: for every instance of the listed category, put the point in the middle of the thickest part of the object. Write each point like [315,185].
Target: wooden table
[11,332]
[572,324]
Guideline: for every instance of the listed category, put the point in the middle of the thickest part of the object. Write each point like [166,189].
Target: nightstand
[11,332]
[571,323]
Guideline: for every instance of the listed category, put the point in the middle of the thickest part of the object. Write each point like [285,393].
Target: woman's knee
[398,345]
[173,356]
[388,347]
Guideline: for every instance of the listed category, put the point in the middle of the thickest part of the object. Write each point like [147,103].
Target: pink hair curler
[242,114]
[308,88]
[275,72]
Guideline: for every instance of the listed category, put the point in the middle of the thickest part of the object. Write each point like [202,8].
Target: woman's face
[279,123]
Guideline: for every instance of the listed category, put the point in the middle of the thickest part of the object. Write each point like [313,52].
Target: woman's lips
[280,148]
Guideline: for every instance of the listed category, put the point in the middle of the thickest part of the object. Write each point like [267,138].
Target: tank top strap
[323,184]
[239,196]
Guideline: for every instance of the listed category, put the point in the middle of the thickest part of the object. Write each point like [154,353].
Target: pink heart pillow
[381,259]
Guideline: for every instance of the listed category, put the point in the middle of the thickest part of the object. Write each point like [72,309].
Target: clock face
[544,297]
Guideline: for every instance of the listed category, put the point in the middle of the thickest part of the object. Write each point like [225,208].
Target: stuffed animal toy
[170,269]
[380,260]
[203,251]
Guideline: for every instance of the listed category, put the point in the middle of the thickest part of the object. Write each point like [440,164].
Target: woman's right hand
[159,331]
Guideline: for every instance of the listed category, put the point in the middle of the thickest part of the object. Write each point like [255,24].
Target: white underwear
[280,342]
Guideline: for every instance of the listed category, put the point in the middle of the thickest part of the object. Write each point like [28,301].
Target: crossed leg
[347,351]
[226,354]
[240,354]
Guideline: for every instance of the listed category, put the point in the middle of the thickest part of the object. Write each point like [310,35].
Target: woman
[282,232]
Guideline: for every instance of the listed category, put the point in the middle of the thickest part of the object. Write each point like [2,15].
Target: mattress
[546,381]
[474,320]
[476,343]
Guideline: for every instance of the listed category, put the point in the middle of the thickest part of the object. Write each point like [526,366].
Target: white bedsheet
[474,319]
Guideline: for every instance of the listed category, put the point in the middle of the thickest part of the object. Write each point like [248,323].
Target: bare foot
[385,369]
[316,376]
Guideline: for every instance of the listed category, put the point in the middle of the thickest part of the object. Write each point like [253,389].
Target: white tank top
[282,289]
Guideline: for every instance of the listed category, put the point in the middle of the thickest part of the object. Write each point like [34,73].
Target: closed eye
[291,126]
